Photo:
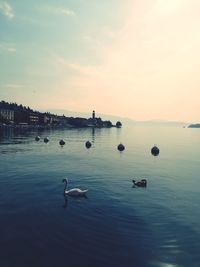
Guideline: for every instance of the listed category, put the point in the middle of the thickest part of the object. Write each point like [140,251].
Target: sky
[134,58]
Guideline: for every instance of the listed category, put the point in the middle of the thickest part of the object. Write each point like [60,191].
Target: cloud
[7,10]
[57,10]
[165,8]
[7,48]
[77,68]
[65,11]
[100,36]
[110,34]
[14,86]
[148,70]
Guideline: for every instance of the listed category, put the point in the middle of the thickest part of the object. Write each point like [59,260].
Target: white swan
[74,192]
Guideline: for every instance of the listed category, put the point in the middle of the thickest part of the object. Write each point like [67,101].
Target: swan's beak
[64,180]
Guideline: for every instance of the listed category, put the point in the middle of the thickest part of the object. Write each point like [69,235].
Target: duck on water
[74,192]
[140,183]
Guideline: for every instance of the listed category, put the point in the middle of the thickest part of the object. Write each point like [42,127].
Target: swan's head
[133,181]
[65,180]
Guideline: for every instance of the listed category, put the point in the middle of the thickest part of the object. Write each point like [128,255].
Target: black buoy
[120,147]
[37,138]
[155,151]
[46,139]
[62,142]
[88,144]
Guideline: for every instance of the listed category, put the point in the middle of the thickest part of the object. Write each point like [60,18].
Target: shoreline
[18,126]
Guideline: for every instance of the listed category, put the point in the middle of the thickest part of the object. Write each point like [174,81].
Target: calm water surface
[116,225]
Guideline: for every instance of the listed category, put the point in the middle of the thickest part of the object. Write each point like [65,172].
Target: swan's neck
[65,186]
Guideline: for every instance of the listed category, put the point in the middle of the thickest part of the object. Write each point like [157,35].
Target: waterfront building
[33,118]
[48,118]
[54,119]
[7,114]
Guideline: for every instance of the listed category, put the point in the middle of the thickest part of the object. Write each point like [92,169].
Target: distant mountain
[124,120]
[197,125]
[162,123]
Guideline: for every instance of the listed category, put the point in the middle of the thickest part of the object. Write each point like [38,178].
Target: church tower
[93,114]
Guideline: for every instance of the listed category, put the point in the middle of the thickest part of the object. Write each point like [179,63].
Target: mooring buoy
[155,151]
[120,147]
[46,139]
[62,142]
[37,138]
[88,144]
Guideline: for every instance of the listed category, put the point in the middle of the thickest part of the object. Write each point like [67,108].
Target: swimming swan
[74,192]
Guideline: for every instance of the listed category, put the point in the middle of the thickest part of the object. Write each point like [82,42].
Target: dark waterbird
[140,183]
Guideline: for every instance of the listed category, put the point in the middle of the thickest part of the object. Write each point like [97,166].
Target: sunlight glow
[145,67]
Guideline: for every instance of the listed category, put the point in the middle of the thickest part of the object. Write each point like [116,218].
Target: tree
[118,124]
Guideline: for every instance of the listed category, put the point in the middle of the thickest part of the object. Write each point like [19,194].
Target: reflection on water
[68,199]
[117,225]
[65,202]
[93,135]
[13,150]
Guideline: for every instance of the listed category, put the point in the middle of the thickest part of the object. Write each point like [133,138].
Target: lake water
[116,225]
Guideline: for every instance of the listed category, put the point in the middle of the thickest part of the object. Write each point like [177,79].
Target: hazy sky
[133,58]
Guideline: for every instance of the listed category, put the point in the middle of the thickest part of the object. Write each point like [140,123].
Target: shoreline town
[18,116]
